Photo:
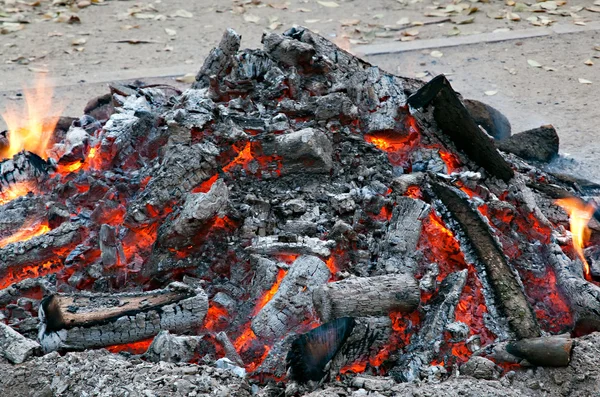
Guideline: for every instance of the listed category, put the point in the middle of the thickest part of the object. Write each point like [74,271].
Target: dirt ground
[84,44]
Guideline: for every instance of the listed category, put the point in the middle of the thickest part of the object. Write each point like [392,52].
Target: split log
[76,322]
[197,213]
[367,296]
[439,313]
[292,304]
[508,292]
[455,121]
[403,234]
[548,351]
[539,144]
[15,347]
[271,245]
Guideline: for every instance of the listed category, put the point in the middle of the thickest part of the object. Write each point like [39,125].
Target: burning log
[17,213]
[507,289]
[423,345]
[15,347]
[23,167]
[455,121]
[291,305]
[75,322]
[548,351]
[367,296]
[198,211]
[539,144]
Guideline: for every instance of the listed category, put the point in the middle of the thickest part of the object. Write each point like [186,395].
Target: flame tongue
[31,128]
[580,214]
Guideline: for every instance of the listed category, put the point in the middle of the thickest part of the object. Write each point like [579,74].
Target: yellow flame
[580,214]
[16,190]
[32,127]
[28,232]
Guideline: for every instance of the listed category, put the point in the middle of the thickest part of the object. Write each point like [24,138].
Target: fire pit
[300,216]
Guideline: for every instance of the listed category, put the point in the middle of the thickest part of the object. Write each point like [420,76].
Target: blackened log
[547,351]
[367,296]
[219,60]
[198,212]
[539,144]
[455,121]
[292,303]
[493,122]
[77,322]
[15,347]
[439,313]
[509,295]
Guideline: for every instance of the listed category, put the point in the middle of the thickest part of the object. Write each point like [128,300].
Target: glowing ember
[16,190]
[270,293]
[580,214]
[26,233]
[31,128]
[139,347]
[68,168]
[215,316]
[15,275]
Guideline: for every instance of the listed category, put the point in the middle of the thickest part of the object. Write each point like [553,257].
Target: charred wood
[15,347]
[455,121]
[539,144]
[492,121]
[367,296]
[507,289]
[75,322]
[219,60]
[23,167]
[172,348]
[424,345]
[271,245]
[292,304]
[547,351]
[19,212]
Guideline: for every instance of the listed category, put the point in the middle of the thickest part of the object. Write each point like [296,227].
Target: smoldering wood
[15,347]
[583,296]
[111,250]
[229,349]
[271,245]
[85,321]
[546,351]
[403,234]
[292,304]
[197,212]
[275,362]
[15,291]
[424,345]
[219,59]
[37,251]
[182,168]
[493,121]
[367,296]
[368,337]
[508,292]
[455,121]
[288,51]
[17,213]
[23,167]
[538,144]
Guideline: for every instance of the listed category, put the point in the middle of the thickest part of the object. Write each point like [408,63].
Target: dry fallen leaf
[593,9]
[436,54]
[589,62]
[412,32]
[420,75]
[80,41]
[54,34]
[513,17]
[330,4]
[534,64]
[275,25]
[350,22]
[510,3]
[453,32]
[597,48]
[549,69]
[171,32]
[280,6]
[251,18]
[129,27]
[463,20]
[311,20]
[403,21]
[38,70]
[188,78]
[490,93]
[584,81]
[512,71]
[182,14]
[8,27]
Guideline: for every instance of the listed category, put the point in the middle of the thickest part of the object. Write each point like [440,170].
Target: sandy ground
[82,57]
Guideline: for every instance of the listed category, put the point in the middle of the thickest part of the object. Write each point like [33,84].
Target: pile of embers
[298,214]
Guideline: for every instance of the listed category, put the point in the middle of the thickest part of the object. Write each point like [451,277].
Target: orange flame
[28,232]
[15,191]
[270,293]
[580,214]
[133,348]
[32,127]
